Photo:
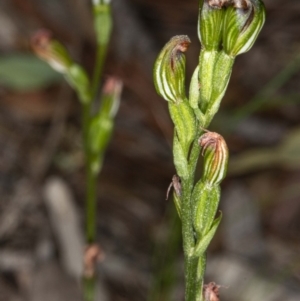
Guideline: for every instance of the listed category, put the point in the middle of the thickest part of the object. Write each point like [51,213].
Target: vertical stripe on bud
[243,21]
[215,153]
[210,24]
[169,69]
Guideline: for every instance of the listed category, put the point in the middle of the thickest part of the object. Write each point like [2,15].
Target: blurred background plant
[97,123]
[257,244]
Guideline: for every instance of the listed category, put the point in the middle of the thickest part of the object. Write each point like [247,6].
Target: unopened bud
[101,2]
[215,153]
[243,21]
[169,69]
[51,51]
[102,21]
[111,96]
[210,24]
[101,125]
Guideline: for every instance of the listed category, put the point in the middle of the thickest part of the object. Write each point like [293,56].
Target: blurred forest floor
[255,255]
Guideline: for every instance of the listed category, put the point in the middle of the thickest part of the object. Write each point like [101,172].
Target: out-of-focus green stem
[91,177]
[100,59]
[89,285]
[91,204]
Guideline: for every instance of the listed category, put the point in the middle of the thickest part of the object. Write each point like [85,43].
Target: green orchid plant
[97,125]
[226,28]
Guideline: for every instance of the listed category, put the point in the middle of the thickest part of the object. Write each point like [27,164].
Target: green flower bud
[210,24]
[102,20]
[57,56]
[169,69]
[215,153]
[100,2]
[243,21]
[51,51]
[101,125]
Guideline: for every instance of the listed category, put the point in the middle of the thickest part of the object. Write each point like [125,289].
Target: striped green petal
[215,151]
[169,69]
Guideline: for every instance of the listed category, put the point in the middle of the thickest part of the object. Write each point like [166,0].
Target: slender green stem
[91,204]
[190,261]
[191,266]
[89,284]
[89,288]
[90,178]
[100,59]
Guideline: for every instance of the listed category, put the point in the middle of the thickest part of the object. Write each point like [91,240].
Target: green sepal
[207,73]
[221,76]
[210,26]
[180,161]
[194,96]
[205,204]
[241,26]
[169,70]
[203,243]
[184,120]
[78,79]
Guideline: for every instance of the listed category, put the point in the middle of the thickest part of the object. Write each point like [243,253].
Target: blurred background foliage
[255,255]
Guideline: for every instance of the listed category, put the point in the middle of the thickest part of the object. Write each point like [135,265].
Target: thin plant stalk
[98,71]
[97,126]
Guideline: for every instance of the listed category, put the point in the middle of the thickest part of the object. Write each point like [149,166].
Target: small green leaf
[78,79]
[203,243]
[205,204]
[180,160]
[26,72]
[185,123]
